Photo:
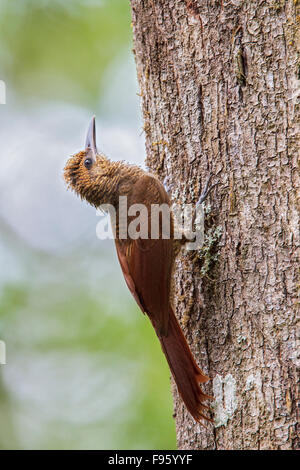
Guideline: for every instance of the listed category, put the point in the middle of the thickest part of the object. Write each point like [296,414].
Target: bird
[147,263]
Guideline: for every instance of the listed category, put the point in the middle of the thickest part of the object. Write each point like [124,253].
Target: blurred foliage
[84,367]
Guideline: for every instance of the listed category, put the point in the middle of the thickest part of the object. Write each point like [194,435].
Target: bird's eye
[88,163]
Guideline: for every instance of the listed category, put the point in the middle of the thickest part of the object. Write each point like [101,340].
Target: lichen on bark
[220,91]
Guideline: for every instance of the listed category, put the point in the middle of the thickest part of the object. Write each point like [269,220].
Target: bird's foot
[207,190]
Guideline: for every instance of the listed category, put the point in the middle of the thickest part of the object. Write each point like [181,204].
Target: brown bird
[147,263]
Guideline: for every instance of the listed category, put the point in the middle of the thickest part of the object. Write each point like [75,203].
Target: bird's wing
[147,263]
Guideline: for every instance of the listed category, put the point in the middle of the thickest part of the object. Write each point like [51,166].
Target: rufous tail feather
[185,371]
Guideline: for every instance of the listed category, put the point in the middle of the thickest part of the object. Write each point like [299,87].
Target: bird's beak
[90,143]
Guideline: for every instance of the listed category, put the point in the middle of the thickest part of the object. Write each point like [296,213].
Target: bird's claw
[206,190]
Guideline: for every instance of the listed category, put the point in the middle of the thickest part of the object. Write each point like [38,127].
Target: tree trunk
[220,92]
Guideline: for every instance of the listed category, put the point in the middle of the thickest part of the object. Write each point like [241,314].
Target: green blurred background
[84,367]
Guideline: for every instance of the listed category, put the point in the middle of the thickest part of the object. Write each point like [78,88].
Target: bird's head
[84,170]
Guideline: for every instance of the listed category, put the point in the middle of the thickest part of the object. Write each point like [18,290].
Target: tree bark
[220,91]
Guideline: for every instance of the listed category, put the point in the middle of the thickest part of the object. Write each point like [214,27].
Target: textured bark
[219,84]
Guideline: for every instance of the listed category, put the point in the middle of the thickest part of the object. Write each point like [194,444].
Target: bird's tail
[185,371]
